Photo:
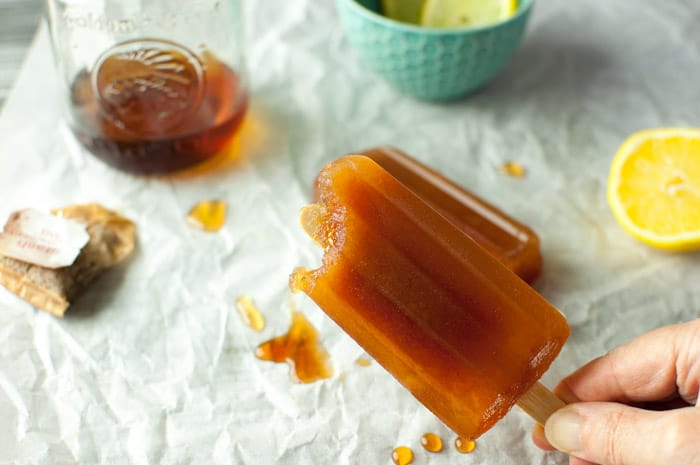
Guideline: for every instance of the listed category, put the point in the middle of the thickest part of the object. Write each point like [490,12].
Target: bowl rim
[524,7]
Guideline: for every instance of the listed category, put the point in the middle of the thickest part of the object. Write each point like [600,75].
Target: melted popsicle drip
[431,442]
[311,219]
[249,313]
[300,348]
[464,445]
[208,215]
[402,455]
[513,169]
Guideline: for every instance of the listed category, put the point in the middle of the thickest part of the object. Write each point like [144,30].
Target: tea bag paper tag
[42,239]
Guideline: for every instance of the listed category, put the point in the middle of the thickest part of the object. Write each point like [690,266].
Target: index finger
[655,366]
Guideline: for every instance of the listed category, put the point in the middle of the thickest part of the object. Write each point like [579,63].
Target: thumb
[615,434]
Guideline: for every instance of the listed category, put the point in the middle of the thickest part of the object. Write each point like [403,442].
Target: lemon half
[408,11]
[466,13]
[654,187]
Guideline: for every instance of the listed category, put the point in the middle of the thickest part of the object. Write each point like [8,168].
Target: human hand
[633,406]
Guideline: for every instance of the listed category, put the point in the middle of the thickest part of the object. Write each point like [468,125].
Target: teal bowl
[430,63]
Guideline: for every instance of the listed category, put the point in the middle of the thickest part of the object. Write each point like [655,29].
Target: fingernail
[563,430]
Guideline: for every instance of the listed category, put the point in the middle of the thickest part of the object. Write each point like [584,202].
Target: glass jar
[151,86]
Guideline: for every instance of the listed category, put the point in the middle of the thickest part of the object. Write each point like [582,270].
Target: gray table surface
[18,21]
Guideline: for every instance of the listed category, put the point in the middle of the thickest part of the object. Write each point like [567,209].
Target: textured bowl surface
[430,63]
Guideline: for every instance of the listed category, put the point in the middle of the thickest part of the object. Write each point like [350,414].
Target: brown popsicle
[514,244]
[449,321]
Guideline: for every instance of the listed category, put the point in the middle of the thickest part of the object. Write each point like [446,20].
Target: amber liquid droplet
[465,445]
[250,314]
[209,215]
[431,442]
[311,219]
[300,348]
[363,362]
[402,455]
[514,169]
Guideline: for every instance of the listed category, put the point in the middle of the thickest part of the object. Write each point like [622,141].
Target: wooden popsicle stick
[539,402]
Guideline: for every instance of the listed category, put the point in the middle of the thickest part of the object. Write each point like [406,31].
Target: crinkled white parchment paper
[154,366]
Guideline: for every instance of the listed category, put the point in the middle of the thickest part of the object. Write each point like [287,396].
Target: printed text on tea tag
[42,239]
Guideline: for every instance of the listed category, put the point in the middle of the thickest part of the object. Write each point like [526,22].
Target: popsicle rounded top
[449,321]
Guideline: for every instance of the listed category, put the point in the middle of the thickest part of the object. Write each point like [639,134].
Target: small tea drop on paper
[300,348]
[464,445]
[363,362]
[402,455]
[431,442]
[513,169]
[209,215]
[250,314]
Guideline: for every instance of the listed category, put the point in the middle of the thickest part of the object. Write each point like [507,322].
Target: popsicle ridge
[513,243]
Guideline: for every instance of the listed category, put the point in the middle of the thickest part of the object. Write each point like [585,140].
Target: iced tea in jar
[151,86]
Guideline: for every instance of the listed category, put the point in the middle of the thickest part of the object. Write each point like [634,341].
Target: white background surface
[18,20]
[153,365]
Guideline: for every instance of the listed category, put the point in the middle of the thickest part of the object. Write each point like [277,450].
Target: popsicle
[514,244]
[464,334]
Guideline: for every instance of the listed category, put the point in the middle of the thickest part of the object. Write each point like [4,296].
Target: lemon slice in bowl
[407,11]
[466,13]
[654,187]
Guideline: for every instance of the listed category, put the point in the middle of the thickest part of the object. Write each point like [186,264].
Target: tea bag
[112,239]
